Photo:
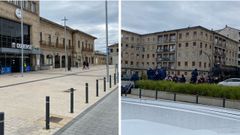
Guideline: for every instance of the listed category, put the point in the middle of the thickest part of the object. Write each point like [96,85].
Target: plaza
[23,98]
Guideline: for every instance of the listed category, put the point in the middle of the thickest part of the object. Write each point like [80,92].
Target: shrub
[211,90]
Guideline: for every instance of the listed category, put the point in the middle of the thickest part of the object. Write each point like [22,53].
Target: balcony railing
[87,50]
[165,59]
[165,50]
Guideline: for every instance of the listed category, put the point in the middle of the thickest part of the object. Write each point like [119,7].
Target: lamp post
[107,64]
[22,38]
[66,63]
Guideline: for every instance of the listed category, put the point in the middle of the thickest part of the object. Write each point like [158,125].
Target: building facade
[100,58]
[113,54]
[234,34]
[44,42]
[179,51]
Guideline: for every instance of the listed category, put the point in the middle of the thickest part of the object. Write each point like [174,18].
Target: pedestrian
[84,64]
[175,78]
[194,76]
[183,79]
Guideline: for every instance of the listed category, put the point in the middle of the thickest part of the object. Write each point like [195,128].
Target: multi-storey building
[44,40]
[234,34]
[113,54]
[100,58]
[179,51]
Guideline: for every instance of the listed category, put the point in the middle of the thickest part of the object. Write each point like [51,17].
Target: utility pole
[66,62]
[107,64]
[22,38]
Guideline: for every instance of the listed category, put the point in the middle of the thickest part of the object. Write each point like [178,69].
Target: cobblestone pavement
[22,99]
[101,119]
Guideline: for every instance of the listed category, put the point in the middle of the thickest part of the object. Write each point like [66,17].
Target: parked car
[230,82]
[126,87]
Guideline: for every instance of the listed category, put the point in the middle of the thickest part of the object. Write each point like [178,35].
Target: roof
[176,30]
[69,28]
[100,53]
[113,45]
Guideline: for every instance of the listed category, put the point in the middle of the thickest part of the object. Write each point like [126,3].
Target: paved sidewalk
[102,119]
[22,99]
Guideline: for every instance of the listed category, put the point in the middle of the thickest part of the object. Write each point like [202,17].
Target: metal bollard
[140,93]
[156,96]
[47,112]
[97,88]
[174,98]
[110,81]
[197,99]
[104,84]
[86,86]
[114,78]
[1,123]
[224,101]
[71,100]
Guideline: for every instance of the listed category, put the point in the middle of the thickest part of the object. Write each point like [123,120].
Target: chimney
[226,26]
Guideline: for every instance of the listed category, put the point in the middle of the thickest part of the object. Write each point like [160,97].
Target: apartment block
[179,51]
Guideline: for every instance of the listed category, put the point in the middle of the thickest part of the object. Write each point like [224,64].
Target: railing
[165,59]
[87,49]
[165,50]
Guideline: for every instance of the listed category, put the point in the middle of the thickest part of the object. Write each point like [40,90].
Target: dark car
[126,87]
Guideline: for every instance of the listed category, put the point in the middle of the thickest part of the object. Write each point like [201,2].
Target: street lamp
[22,38]
[66,63]
[107,64]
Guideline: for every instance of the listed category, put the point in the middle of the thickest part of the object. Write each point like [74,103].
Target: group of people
[85,65]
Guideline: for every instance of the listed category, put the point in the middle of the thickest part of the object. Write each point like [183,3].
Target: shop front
[11,48]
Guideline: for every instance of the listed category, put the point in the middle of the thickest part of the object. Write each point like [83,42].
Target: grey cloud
[144,17]
[87,16]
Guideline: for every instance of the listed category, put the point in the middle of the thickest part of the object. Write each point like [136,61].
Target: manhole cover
[55,119]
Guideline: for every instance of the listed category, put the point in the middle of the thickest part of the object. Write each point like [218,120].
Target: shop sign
[20,46]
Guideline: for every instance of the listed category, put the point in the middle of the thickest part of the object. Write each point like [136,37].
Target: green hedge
[212,90]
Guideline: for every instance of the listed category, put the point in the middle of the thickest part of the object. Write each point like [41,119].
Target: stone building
[234,34]
[43,40]
[113,54]
[100,58]
[10,35]
[179,51]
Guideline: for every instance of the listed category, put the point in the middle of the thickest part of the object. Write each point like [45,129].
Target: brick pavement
[23,98]
[102,119]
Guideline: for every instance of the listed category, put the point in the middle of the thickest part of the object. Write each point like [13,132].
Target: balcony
[167,59]
[166,50]
[87,50]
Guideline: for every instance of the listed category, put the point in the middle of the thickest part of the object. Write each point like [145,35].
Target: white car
[230,82]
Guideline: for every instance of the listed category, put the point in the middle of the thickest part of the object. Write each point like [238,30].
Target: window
[147,55]
[78,44]
[194,43]
[49,39]
[200,64]
[179,63]
[126,45]
[185,73]
[201,45]
[40,36]
[111,50]
[63,41]
[179,45]
[33,7]
[194,33]
[153,55]
[205,64]
[193,63]
[187,34]
[186,63]
[186,44]
[69,43]
[143,56]
[57,41]
[180,35]
[131,62]
[205,45]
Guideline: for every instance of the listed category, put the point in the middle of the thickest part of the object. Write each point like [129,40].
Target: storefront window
[10,32]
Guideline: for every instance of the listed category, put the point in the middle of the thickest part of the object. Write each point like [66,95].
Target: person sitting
[183,79]
[175,78]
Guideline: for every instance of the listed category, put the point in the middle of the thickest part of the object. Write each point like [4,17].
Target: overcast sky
[144,17]
[88,16]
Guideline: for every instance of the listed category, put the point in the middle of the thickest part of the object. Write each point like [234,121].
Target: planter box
[186,98]
[235,104]
[210,101]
